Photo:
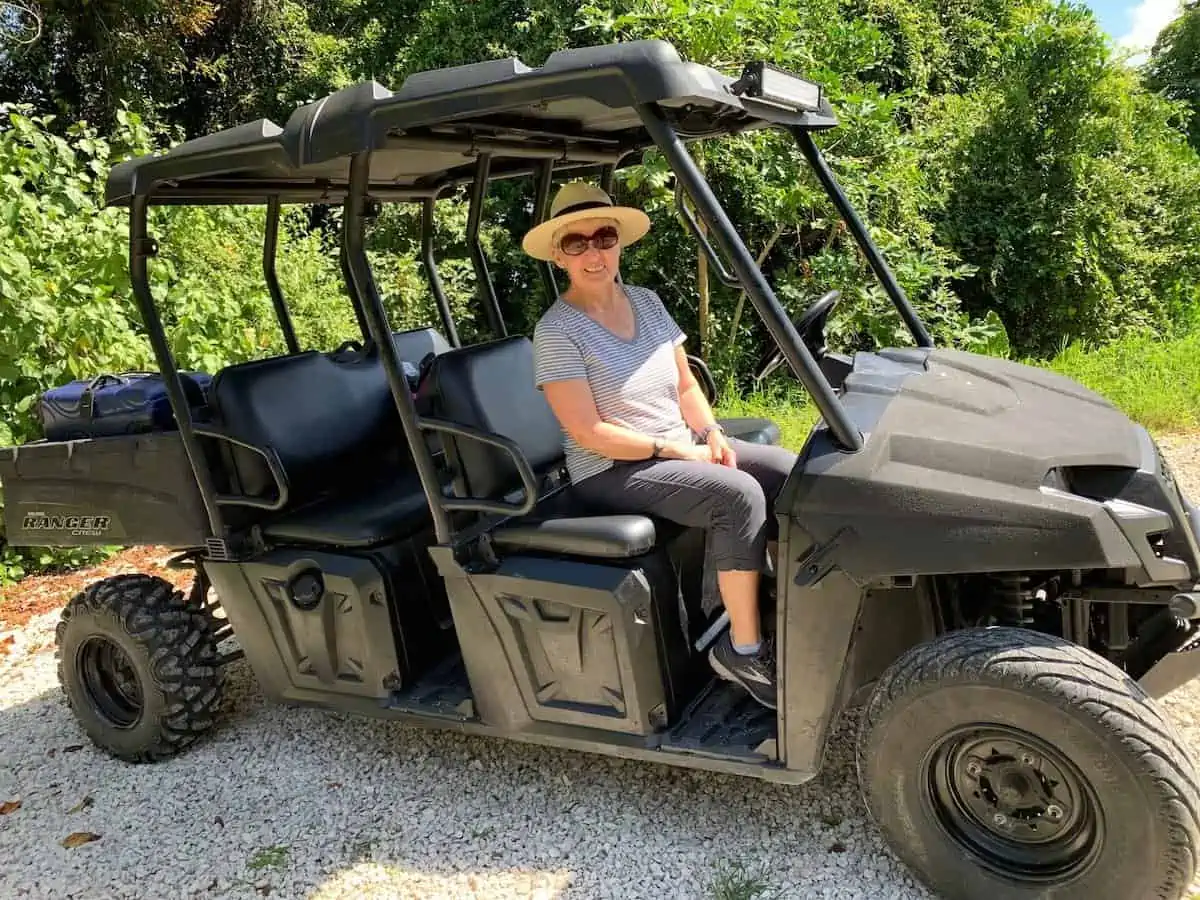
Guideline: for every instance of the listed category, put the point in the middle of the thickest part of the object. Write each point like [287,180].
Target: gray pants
[733,506]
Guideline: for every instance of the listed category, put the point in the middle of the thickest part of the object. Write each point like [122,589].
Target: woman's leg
[731,506]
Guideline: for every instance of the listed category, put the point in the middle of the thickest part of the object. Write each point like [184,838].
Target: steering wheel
[810,327]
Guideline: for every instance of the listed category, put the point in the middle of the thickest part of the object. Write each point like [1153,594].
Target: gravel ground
[318,806]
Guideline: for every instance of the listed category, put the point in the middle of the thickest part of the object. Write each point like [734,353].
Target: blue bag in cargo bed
[107,405]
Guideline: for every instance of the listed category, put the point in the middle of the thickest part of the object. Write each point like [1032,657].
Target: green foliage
[1066,186]
[775,200]
[65,298]
[1174,67]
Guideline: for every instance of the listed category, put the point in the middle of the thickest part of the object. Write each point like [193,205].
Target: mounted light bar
[764,81]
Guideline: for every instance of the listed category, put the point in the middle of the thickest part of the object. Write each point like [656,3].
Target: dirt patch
[39,594]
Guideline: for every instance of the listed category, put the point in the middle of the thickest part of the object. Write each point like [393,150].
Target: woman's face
[594,266]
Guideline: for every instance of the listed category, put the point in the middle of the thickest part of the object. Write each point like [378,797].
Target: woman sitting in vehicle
[640,435]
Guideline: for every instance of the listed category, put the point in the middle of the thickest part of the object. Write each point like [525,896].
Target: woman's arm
[575,408]
[692,403]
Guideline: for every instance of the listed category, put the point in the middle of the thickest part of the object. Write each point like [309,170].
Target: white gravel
[364,808]
[304,804]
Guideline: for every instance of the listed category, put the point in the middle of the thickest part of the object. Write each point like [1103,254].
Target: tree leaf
[8,807]
[78,839]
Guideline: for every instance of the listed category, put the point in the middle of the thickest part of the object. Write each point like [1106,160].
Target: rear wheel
[1006,763]
[138,665]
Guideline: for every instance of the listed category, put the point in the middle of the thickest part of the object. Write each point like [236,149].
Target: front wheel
[1010,764]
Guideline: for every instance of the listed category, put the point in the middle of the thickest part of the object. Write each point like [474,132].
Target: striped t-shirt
[635,383]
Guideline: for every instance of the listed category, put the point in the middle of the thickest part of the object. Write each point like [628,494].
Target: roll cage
[584,113]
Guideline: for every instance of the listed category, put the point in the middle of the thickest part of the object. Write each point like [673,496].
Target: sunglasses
[574,244]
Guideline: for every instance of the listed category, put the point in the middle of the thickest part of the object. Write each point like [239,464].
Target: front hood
[991,418]
[976,464]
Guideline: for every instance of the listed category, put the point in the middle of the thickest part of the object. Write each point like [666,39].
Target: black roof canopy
[578,109]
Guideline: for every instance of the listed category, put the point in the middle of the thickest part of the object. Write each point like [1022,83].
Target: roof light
[766,82]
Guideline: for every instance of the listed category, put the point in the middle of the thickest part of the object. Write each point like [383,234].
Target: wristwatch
[658,448]
[709,429]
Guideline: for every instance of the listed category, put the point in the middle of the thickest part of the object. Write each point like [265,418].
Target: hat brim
[632,223]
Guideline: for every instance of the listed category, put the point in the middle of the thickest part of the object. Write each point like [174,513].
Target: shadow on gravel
[299,803]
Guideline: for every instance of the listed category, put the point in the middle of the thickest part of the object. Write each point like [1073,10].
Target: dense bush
[1068,189]
[1174,67]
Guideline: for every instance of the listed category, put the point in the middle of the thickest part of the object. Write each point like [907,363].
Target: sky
[1134,24]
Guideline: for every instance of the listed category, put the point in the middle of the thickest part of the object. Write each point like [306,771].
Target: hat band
[576,207]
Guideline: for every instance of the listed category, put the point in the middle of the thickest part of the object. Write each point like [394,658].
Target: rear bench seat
[334,426]
[491,387]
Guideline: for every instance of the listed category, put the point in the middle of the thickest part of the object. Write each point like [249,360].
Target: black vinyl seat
[491,387]
[333,425]
[755,431]
[392,509]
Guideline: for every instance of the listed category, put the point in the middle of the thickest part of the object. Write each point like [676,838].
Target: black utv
[993,559]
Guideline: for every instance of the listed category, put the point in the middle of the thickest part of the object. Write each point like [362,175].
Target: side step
[444,692]
[724,722]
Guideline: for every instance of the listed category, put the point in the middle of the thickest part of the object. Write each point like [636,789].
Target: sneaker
[754,673]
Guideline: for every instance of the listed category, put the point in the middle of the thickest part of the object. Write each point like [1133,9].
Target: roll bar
[825,175]
[484,285]
[751,278]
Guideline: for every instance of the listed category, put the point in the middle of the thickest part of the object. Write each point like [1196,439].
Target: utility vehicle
[994,560]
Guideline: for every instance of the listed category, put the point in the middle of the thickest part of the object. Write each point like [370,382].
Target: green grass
[793,414]
[732,882]
[268,858]
[1155,382]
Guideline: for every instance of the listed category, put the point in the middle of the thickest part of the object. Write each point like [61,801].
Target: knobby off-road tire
[1037,723]
[137,662]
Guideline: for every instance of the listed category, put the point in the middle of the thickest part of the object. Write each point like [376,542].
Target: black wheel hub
[1015,803]
[110,680]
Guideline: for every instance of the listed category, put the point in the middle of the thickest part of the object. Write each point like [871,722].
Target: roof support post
[820,167]
[431,269]
[606,179]
[541,208]
[141,248]
[363,281]
[270,244]
[751,277]
[484,287]
[355,299]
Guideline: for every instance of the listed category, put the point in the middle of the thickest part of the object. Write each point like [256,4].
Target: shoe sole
[726,674]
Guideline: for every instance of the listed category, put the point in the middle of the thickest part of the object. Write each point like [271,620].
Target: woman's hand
[721,450]
[692,452]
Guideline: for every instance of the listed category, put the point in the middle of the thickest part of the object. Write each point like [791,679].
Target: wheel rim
[110,681]
[1015,803]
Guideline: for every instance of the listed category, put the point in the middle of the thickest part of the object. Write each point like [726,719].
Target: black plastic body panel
[581,643]
[374,631]
[566,642]
[126,490]
[816,617]
[343,645]
[957,473]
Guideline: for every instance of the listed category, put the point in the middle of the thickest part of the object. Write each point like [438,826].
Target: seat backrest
[318,415]
[413,346]
[491,387]
[330,418]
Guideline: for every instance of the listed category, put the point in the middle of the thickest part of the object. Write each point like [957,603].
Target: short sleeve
[555,356]
[669,327]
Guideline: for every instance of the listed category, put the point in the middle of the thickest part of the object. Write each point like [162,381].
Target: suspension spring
[1015,606]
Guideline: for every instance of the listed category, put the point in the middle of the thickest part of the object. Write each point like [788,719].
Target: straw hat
[580,200]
